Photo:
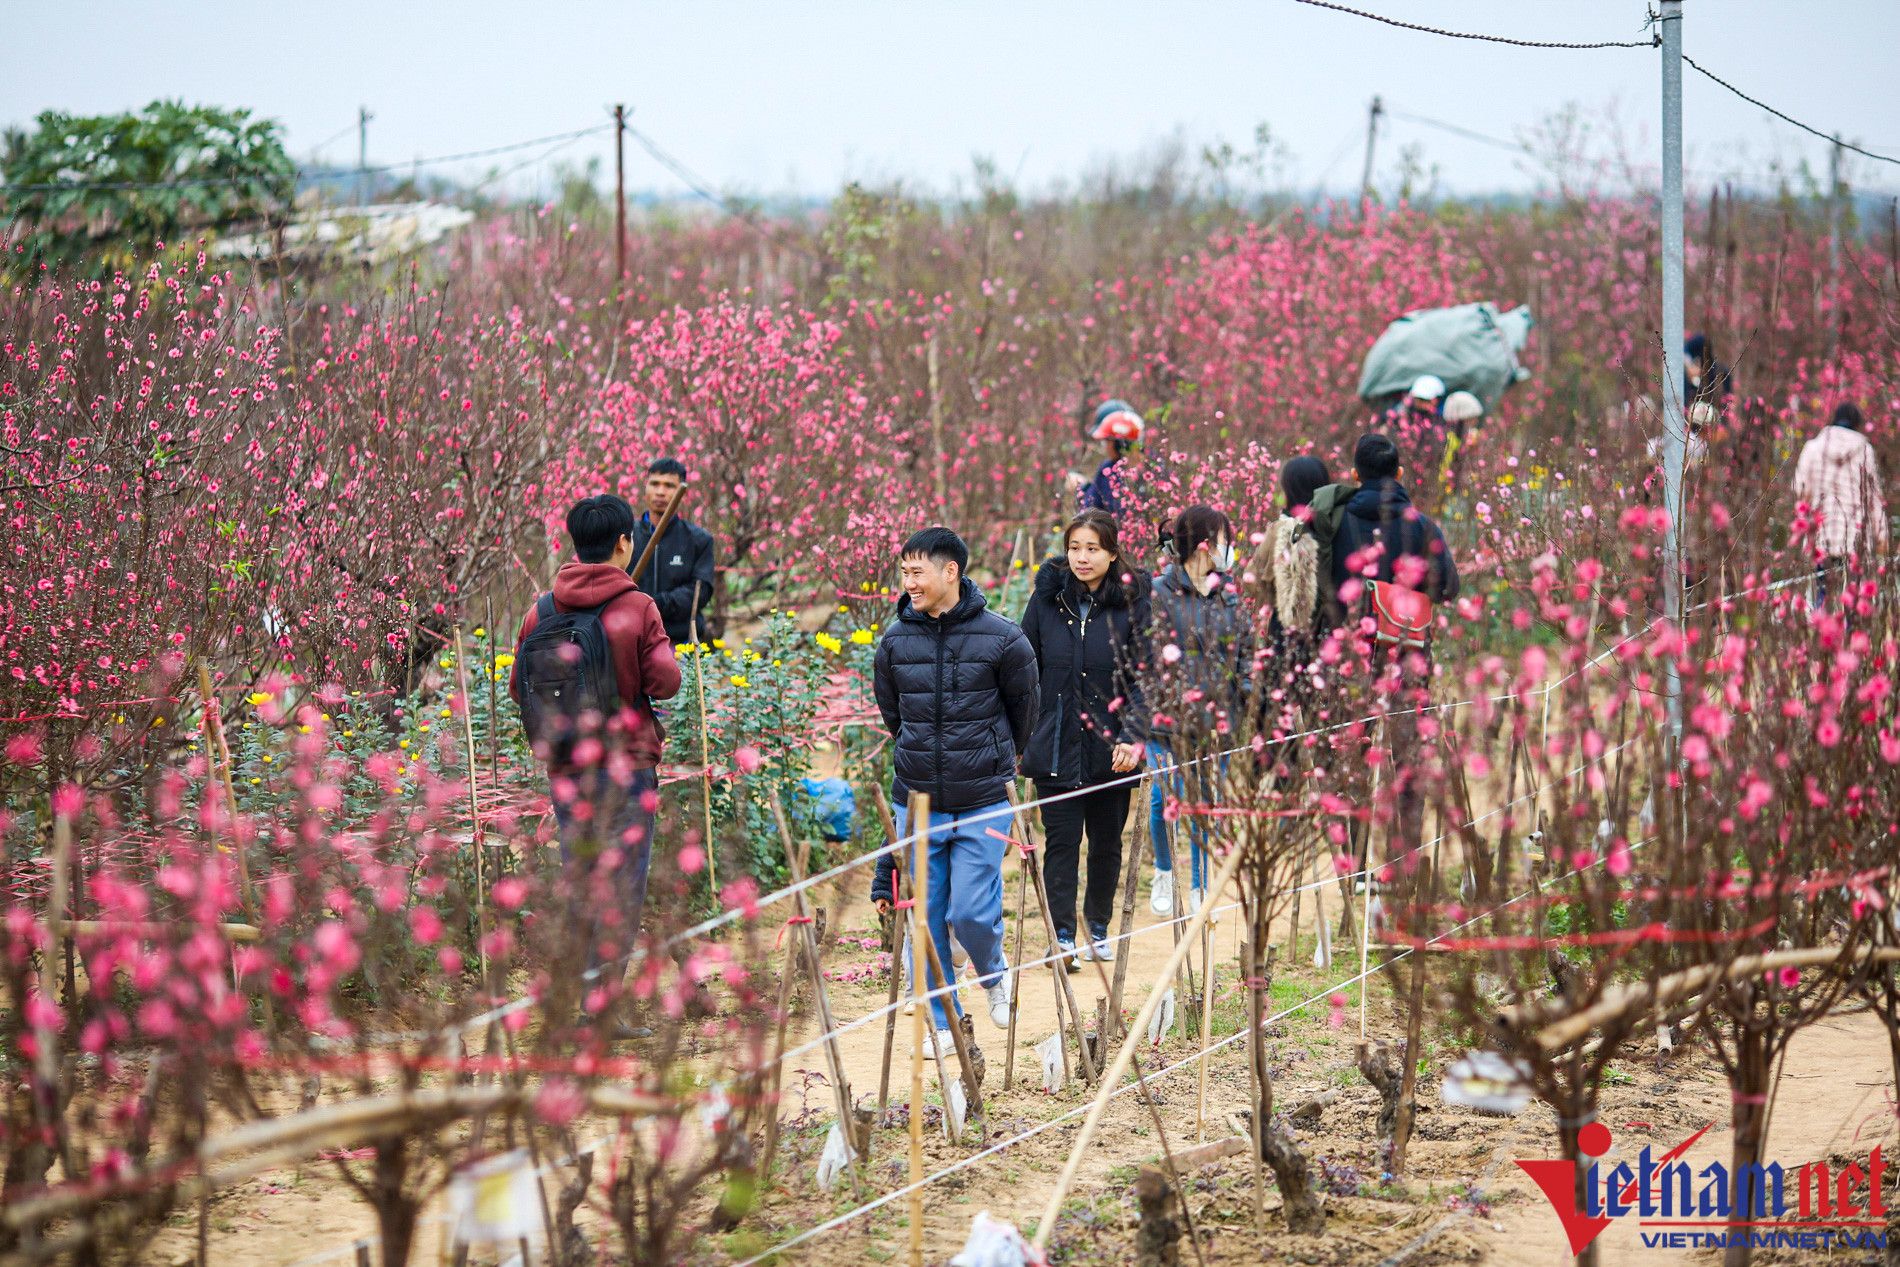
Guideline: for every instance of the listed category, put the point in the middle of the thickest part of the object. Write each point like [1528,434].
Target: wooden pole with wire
[705,761]
[919,913]
[476,835]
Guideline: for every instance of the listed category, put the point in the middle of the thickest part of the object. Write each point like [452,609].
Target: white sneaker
[1066,949]
[910,1007]
[999,995]
[1103,951]
[943,1041]
[1195,898]
[1161,897]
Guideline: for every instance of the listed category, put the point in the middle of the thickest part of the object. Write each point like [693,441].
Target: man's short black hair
[940,545]
[1375,458]
[667,466]
[1847,414]
[596,524]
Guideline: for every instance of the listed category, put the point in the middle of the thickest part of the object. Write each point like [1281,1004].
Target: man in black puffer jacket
[956,684]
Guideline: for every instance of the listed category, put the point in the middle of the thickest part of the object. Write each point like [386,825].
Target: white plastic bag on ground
[956,1105]
[1487,1080]
[496,1199]
[1163,1019]
[994,1243]
[837,1156]
[1323,942]
[1050,1049]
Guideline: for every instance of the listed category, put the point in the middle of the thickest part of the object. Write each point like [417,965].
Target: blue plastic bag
[831,804]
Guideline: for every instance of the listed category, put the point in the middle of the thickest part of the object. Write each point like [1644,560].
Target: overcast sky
[796,98]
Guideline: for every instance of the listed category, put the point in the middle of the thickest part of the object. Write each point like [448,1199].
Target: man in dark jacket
[679,576]
[607,801]
[956,684]
[1383,537]
[1382,527]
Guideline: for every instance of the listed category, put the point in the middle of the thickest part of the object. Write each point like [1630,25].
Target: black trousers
[1100,813]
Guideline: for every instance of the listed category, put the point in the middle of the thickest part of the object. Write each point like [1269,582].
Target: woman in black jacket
[1088,623]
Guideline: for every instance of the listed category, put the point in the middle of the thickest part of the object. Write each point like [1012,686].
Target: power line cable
[1490,39]
[1833,140]
[188,182]
[698,186]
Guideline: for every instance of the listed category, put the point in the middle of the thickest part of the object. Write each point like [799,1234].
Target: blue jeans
[620,819]
[1174,783]
[966,892]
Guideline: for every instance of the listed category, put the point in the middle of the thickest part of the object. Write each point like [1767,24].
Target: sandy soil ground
[1461,1188]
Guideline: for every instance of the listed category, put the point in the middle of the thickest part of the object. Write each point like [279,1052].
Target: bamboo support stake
[1126,1053]
[1130,887]
[777,1075]
[1016,966]
[1250,967]
[973,1098]
[474,809]
[214,731]
[804,935]
[1057,969]
[900,949]
[936,427]
[919,914]
[1207,1011]
[705,761]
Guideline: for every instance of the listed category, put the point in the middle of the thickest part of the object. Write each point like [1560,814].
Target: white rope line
[1158,1073]
[725,917]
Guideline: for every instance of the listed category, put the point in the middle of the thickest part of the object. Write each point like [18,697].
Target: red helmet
[1123,424]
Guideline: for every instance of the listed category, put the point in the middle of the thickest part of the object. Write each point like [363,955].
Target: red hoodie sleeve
[643,657]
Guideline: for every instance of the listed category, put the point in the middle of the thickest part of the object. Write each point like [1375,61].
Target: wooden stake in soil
[1207,1012]
[919,913]
[802,919]
[1016,965]
[1130,885]
[705,766]
[1110,1079]
[1250,967]
[900,942]
[1057,969]
[776,1077]
[474,808]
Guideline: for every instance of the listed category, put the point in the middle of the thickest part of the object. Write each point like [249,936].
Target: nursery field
[293,967]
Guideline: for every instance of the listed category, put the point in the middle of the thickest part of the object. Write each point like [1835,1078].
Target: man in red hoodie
[608,802]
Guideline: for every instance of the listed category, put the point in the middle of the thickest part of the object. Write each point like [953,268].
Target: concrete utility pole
[1834,191]
[1372,137]
[620,191]
[363,116]
[1675,429]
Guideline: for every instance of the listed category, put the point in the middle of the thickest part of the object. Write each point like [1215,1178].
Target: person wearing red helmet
[1120,431]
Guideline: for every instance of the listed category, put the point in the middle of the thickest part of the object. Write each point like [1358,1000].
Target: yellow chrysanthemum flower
[739,680]
[863,637]
[258,699]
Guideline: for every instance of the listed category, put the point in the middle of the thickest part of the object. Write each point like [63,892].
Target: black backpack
[568,687]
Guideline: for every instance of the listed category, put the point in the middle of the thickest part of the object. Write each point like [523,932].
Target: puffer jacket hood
[958,694]
[1089,657]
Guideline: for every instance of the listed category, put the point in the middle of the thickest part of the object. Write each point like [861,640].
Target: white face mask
[1224,558]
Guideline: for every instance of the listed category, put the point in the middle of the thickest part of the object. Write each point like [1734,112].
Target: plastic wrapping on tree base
[994,1243]
[836,1158]
[1050,1050]
[1163,1019]
[1488,1081]
[1472,347]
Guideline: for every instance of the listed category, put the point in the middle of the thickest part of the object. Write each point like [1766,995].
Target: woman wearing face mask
[1088,622]
[1203,654]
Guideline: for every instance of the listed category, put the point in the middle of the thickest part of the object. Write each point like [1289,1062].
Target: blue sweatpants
[966,892]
